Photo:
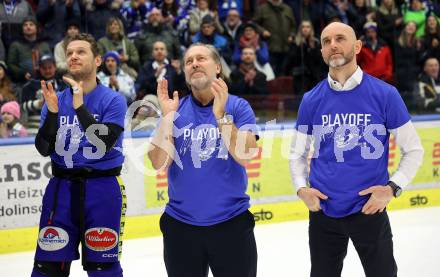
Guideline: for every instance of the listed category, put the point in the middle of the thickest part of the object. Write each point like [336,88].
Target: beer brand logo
[101,239]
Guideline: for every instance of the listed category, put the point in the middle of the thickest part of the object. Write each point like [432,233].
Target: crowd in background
[142,41]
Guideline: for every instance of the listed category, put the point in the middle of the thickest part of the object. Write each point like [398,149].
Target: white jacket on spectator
[125,84]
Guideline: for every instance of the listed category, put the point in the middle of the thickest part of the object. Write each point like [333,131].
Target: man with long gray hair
[204,141]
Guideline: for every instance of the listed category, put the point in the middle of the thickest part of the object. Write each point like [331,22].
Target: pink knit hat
[11,107]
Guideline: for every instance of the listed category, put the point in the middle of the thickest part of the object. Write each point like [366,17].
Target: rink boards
[24,175]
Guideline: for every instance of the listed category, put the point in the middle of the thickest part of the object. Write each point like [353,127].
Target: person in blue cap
[115,78]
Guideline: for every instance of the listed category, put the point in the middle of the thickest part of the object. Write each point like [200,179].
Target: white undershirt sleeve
[299,150]
[411,153]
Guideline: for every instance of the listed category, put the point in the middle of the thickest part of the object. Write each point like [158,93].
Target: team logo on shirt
[348,131]
[52,238]
[101,239]
[203,141]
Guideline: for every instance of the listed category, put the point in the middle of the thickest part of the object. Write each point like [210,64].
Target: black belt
[79,176]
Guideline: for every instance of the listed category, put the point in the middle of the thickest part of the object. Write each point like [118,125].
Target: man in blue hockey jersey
[81,130]
[350,115]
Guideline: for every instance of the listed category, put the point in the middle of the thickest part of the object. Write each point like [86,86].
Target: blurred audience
[24,53]
[277,26]
[304,61]
[32,98]
[115,40]
[115,78]
[10,125]
[7,88]
[375,57]
[246,79]
[157,68]
[72,29]
[428,93]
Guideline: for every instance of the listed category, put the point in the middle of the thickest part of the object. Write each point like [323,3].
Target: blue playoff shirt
[350,129]
[211,186]
[106,106]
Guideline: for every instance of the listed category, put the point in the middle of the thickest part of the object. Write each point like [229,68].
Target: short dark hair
[85,37]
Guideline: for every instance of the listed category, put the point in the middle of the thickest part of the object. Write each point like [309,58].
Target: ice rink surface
[283,250]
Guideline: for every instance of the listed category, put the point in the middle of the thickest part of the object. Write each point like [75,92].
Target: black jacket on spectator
[331,11]
[430,50]
[238,85]
[54,18]
[427,97]
[407,67]
[313,11]
[146,82]
[306,66]
[387,28]
[96,21]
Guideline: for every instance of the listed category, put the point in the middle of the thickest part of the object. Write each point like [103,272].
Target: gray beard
[335,63]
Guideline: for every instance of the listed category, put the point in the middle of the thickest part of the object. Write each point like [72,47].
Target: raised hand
[166,104]
[78,91]
[220,91]
[50,96]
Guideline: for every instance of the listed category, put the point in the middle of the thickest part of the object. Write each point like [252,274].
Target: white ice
[283,250]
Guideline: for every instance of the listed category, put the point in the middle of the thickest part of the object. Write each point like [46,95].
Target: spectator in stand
[304,61]
[375,57]
[209,35]
[174,15]
[364,14]
[341,9]
[32,98]
[224,6]
[157,68]
[431,39]
[134,13]
[428,93]
[233,27]
[277,24]
[311,10]
[198,13]
[10,125]
[12,14]
[153,31]
[247,79]
[24,53]
[115,40]
[72,28]
[7,88]
[148,115]
[416,13]
[408,62]
[97,17]
[251,38]
[389,21]
[114,77]
[53,15]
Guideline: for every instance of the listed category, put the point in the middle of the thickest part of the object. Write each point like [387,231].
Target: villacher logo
[52,238]
[101,239]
